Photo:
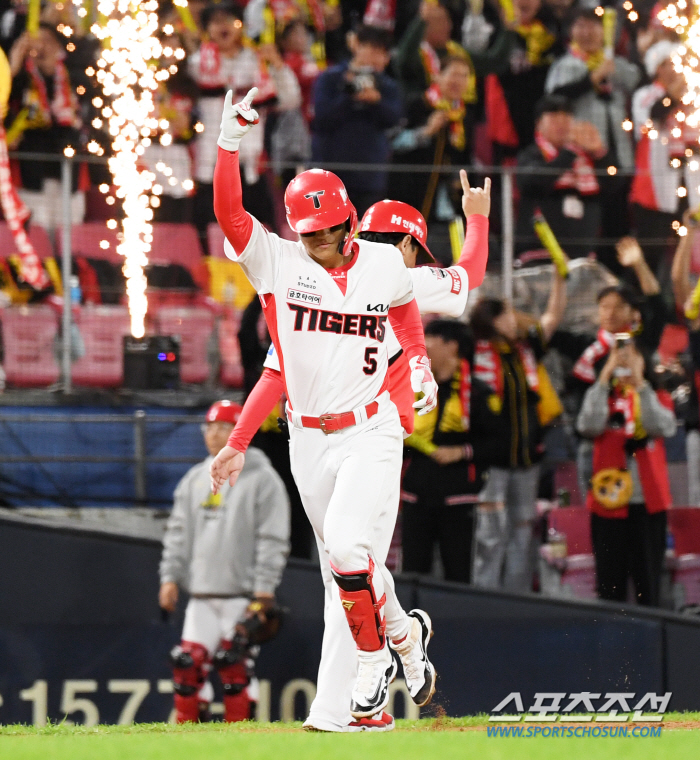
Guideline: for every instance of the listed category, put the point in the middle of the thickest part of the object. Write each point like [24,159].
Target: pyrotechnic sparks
[129,73]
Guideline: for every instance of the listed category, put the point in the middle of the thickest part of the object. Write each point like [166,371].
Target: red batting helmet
[224,411]
[395,216]
[315,200]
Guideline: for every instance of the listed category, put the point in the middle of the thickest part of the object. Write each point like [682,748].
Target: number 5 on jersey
[370,362]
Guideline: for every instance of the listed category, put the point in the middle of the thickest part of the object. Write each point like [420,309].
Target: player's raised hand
[475,200]
[236,120]
[422,381]
[227,465]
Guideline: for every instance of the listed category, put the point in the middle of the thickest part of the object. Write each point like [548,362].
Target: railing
[504,209]
[139,458]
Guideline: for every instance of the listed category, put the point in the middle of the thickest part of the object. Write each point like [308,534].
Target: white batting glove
[422,381]
[237,120]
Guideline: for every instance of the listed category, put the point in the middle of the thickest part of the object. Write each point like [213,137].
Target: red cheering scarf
[64,107]
[610,453]
[580,177]
[488,366]
[16,214]
[584,369]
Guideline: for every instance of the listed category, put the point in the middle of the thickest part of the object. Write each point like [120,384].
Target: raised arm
[680,271]
[556,306]
[236,121]
[476,204]
[630,254]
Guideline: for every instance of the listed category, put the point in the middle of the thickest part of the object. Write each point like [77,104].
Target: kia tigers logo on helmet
[316,195]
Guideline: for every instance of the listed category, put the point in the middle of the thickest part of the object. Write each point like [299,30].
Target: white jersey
[437,291]
[333,347]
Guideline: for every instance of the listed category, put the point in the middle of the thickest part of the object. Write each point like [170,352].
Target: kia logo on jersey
[316,195]
[378,307]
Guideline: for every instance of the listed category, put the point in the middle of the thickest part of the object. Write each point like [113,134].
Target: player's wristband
[467,452]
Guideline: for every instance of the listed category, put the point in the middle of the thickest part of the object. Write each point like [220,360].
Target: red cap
[315,200]
[395,216]
[224,411]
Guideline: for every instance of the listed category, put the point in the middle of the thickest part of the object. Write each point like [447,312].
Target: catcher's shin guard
[362,609]
[235,671]
[188,660]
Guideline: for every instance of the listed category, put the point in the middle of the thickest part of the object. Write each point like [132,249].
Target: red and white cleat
[381,722]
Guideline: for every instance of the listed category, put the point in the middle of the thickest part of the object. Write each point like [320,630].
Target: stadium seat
[194,326]
[28,334]
[574,574]
[229,350]
[215,239]
[566,479]
[684,525]
[38,237]
[102,329]
[86,239]
[179,244]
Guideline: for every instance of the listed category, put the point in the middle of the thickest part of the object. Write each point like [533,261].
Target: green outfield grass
[431,739]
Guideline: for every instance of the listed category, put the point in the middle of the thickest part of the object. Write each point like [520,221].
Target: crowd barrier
[82,638]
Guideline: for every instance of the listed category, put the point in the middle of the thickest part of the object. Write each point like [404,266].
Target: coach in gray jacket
[227,551]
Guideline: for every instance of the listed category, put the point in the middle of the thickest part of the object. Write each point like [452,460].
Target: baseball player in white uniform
[436,290]
[328,300]
[228,551]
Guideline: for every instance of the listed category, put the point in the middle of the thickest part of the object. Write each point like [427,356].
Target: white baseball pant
[207,622]
[349,483]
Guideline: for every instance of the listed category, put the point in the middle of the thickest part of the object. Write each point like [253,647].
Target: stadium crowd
[390,94]
[539,84]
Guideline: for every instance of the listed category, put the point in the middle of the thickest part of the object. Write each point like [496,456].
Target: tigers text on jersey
[332,347]
[437,291]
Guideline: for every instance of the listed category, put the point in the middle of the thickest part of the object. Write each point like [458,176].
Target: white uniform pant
[350,486]
[207,622]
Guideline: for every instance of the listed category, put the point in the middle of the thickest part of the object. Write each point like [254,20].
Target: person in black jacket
[507,361]
[355,103]
[445,458]
[437,132]
[567,197]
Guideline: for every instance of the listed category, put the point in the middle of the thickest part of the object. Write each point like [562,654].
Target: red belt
[332,423]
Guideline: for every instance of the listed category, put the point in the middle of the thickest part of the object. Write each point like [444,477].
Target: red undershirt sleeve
[258,405]
[406,323]
[234,220]
[475,251]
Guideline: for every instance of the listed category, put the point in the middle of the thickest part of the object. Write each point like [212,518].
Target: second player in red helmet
[398,217]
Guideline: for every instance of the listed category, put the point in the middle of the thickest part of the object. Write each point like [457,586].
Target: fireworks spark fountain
[129,74]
